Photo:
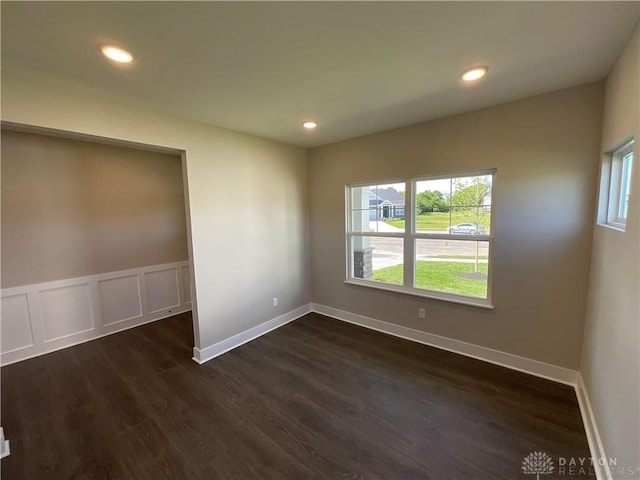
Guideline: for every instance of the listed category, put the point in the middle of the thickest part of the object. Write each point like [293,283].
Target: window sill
[422,293]
[615,228]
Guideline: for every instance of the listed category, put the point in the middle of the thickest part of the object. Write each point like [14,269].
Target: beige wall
[247,197]
[545,151]
[72,208]
[611,356]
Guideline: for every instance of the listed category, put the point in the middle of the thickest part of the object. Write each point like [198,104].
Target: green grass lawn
[439,276]
[440,221]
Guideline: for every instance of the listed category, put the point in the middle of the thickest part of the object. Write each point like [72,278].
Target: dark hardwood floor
[317,398]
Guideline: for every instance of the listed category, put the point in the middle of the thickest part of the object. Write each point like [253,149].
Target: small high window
[615,187]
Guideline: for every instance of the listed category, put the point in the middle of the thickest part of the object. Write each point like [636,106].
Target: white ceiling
[355,67]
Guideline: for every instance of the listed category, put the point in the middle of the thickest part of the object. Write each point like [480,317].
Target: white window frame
[410,236]
[613,183]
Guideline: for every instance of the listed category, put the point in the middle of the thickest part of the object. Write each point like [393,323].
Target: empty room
[320,240]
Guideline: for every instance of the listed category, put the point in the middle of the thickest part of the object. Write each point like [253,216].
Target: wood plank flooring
[317,398]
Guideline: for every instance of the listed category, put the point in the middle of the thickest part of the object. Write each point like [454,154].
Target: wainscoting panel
[40,318]
[120,299]
[15,318]
[163,289]
[66,311]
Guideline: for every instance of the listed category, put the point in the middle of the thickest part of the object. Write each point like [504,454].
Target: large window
[615,187]
[427,236]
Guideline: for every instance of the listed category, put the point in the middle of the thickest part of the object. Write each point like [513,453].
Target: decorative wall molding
[593,434]
[203,355]
[514,362]
[44,317]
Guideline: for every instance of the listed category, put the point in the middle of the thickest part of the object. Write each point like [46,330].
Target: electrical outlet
[422,313]
[275,301]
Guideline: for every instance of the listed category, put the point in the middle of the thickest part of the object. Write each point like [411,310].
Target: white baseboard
[591,429]
[205,354]
[514,362]
[44,317]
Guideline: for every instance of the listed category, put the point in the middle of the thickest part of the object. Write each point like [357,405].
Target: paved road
[432,247]
[388,251]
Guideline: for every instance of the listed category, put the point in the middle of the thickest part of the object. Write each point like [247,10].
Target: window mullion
[409,229]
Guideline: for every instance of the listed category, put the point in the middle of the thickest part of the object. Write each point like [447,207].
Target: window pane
[474,220]
[385,205]
[452,266]
[433,202]
[625,186]
[360,196]
[378,258]
[361,221]
[443,204]
[372,221]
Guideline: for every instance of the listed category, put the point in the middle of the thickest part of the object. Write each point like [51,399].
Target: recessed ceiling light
[310,125]
[117,54]
[474,74]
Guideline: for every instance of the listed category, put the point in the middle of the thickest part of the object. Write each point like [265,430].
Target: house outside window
[425,236]
[385,202]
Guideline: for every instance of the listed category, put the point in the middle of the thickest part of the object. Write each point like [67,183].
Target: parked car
[467,229]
